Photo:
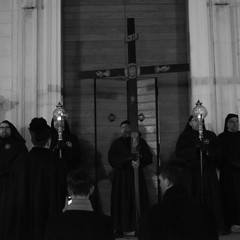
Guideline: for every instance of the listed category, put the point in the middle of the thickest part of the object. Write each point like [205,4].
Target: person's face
[125,130]
[194,123]
[164,184]
[5,130]
[233,124]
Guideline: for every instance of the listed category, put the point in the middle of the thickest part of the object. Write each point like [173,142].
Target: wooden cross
[132,74]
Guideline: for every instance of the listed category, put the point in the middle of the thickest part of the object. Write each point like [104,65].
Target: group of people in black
[37,187]
[215,172]
[45,194]
[208,204]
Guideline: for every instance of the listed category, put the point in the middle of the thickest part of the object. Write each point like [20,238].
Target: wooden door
[148,127]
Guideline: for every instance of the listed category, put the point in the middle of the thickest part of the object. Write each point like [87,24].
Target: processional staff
[199,112]
[59,117]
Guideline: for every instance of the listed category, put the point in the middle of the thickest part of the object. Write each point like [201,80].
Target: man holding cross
[123,205]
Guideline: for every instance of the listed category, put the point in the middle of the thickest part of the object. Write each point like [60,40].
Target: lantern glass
[59,116]
[199,111]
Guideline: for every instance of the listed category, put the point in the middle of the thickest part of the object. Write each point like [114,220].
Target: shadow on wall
[115,135]
[92,162]
[150,172]
[5,106]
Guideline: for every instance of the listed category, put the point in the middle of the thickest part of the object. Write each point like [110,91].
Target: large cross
[131,72]
[132,102]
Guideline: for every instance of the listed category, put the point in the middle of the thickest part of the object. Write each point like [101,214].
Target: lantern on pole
[199,112]
[59,117]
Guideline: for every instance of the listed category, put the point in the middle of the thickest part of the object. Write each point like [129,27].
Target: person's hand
[60,145]
[135,164]
[200,146]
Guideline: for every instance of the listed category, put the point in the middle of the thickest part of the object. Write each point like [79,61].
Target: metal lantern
[59,116]
[199,112]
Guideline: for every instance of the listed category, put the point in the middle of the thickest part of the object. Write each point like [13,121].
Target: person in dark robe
[12,145]
[36,187]
[177,216]
[68,148]
[78,219]
[123,210]
[230,169]
[204,183]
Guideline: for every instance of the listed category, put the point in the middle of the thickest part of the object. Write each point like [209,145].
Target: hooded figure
[36,188]
[189,145]
[230,169]
[12,145]
[122,195]
[234,126]
[204,184]
[68,148]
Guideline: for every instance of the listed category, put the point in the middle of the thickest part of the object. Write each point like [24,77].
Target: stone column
[214,53]
[201,70]
[36,61]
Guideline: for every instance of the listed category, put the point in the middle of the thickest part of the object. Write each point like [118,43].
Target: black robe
[178,217]
[69,147]
[10,148]
[123,195]
[206,188]
[36,191]
[79,224]
[230,176]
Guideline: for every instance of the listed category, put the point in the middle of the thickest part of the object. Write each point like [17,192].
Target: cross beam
[147,70]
